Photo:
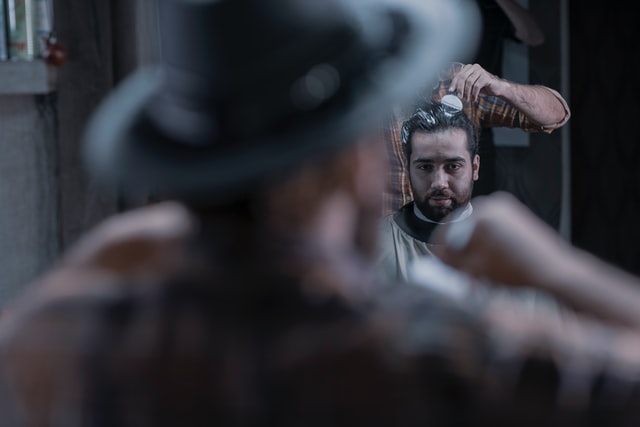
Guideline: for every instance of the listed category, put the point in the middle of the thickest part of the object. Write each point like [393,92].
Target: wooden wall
[28,189]
[47,199]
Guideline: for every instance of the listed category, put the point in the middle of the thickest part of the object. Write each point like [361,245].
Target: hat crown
[245,89]
[226,42]
[250,83]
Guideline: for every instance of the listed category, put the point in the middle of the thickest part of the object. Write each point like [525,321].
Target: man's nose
[439,178]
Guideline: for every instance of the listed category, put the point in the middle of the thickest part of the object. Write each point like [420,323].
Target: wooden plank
[84,27]
[28,200]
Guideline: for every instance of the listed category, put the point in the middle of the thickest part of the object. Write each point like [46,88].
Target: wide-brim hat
[245,89]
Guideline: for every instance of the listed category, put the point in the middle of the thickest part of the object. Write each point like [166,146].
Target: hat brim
[125,151]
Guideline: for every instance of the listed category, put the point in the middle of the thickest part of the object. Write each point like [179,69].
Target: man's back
[237,355]
[247,348]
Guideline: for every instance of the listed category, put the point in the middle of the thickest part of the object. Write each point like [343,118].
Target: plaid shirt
[486,112]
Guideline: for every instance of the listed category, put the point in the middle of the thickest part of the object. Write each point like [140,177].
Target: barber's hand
[505,243]
[139,247]
[472,80]
[143,239]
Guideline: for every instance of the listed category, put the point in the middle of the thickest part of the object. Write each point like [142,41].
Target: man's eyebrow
[456,159]
[445,160]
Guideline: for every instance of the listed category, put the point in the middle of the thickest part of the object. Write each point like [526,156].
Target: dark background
[603,133]
[605,137]
[602,90]
[590,56]
[595,48]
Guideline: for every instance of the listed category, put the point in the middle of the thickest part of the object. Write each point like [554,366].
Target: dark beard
[435,213]
[439,213]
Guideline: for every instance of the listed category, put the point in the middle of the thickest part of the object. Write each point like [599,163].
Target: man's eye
[454,167]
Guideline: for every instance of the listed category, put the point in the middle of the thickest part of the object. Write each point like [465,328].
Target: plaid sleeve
[397,191]
[491,111]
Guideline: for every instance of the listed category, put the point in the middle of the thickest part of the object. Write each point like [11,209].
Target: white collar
[464,214]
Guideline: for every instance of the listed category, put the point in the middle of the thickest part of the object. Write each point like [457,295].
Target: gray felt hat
[245,88]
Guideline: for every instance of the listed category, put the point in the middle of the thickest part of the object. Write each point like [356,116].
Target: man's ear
[475,165]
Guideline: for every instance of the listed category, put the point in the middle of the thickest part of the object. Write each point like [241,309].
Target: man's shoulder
[390,221]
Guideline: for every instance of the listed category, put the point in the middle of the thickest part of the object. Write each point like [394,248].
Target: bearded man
[441,149]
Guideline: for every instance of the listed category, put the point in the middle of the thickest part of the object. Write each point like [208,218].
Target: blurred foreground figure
[504,242]
[247,301]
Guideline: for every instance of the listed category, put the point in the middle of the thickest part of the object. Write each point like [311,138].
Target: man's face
[441,172]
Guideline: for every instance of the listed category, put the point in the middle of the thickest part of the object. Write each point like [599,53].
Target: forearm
[540,104]
[595,287]
[506,243]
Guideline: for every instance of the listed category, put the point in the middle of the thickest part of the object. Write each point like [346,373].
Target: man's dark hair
[434,117]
